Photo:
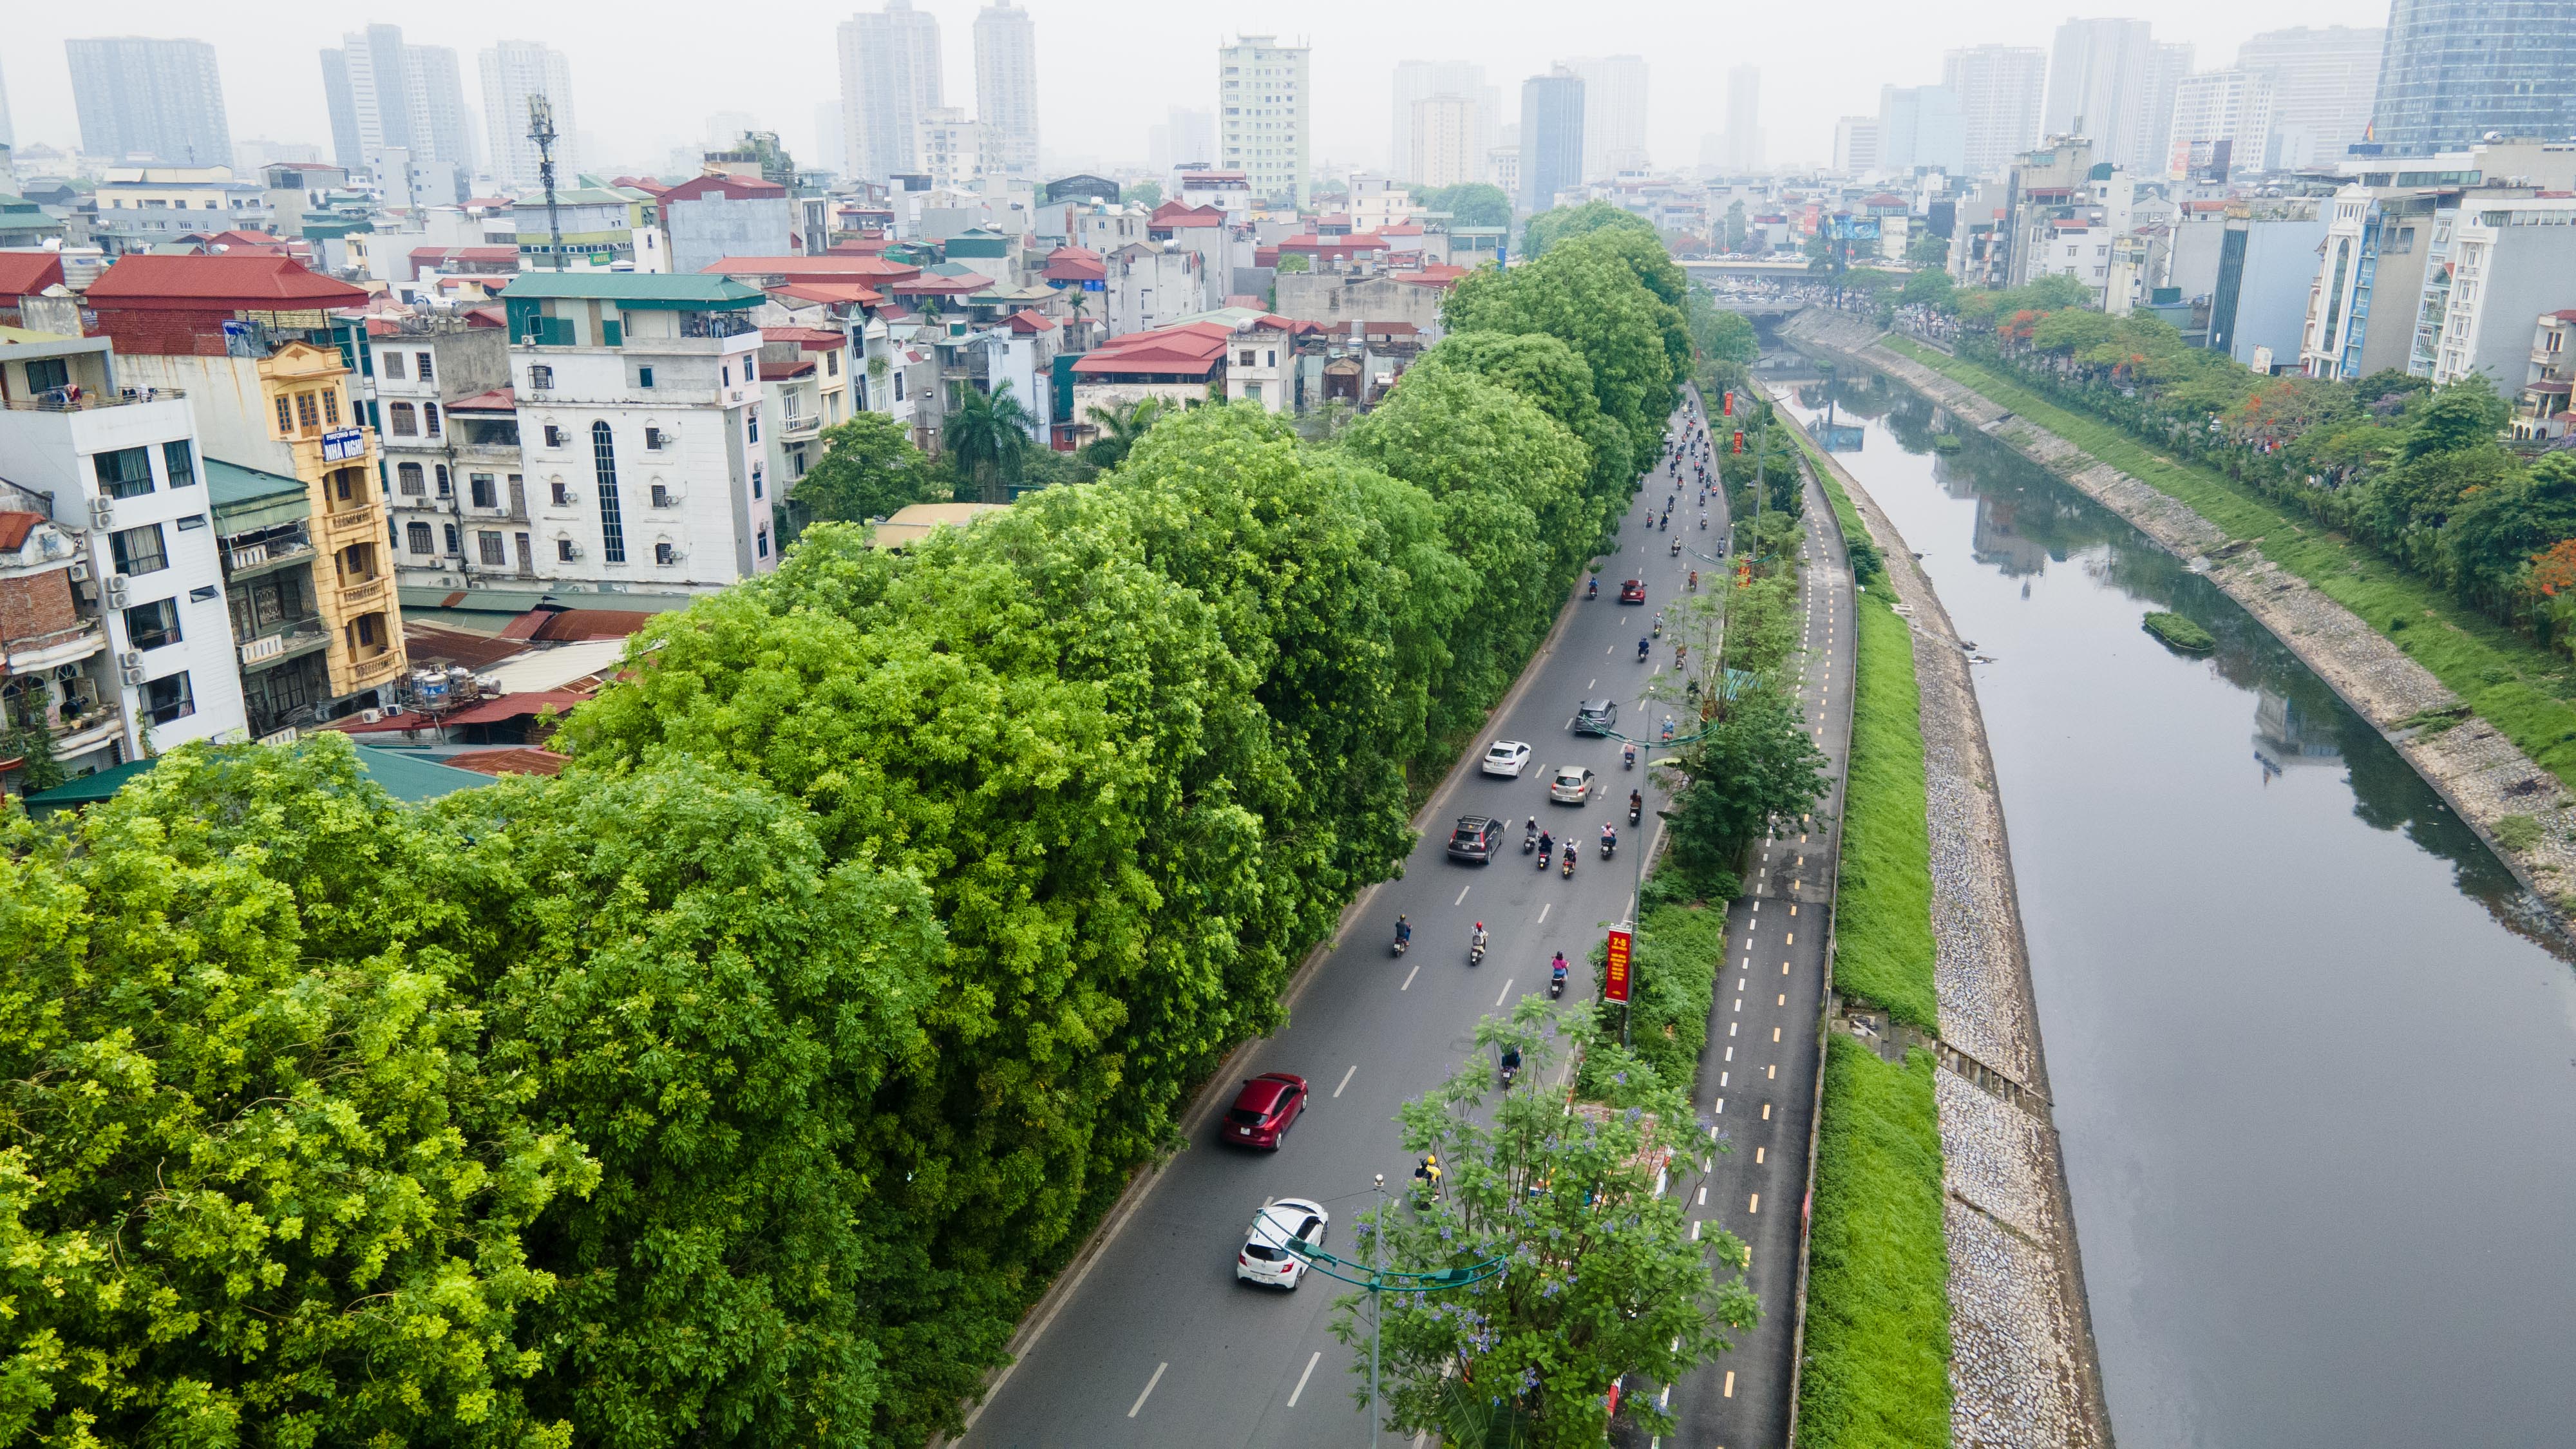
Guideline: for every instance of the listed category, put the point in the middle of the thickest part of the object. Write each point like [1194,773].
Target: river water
[2317,1092]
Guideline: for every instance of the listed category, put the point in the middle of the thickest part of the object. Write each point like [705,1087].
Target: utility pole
[541,129]
[1377,1269]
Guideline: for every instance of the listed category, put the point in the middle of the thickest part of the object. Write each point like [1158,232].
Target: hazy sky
[647,73]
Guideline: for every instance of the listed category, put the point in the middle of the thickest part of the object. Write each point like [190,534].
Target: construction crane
[541,129]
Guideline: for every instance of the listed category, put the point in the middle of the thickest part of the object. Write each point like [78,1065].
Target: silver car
[1572,785]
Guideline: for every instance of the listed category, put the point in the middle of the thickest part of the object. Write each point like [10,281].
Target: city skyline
[1809,81]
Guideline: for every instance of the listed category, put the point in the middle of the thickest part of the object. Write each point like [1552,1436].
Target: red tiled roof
[487,316]
[1178,214]
[782,371]
[1025,321]
[1074,264]
[1438,274]
[826,268]
[428,643]
[1390,329]
[24,274]
[517,706]
[564,625]
[252,282]
[812,339]
[645,184]
[498,400]
[2565,316]
[940,286]
[15,526]
[1193,349]
[737,188]
[514,761]
[829,292]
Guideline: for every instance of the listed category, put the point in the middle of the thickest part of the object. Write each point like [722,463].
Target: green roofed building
[403,775]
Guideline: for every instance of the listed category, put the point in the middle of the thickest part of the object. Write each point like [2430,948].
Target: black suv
[1477,838]
[1596,717]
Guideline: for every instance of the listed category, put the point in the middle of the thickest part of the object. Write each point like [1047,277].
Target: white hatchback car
[1506,758]
[1572,785]
[1265,1258]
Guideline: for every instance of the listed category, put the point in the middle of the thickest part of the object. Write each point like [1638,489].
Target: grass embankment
[2180,632]
[1878,1303]
[2508,680]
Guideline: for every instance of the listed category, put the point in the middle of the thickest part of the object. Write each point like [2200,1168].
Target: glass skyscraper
[2458,69]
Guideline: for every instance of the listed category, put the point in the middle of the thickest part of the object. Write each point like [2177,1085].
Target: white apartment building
[641,429]
[890,78]
[951,147]
[1614,114]
[139,657]
[2511,260]
[2231,106]
[2323,82]
[1856,147]
[1006,87]
[1265,115]
[2002,90]
[513,72]
[1443,134]
[1420,80]
[452,473]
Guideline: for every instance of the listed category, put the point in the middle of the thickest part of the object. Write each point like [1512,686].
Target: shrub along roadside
[2486,664]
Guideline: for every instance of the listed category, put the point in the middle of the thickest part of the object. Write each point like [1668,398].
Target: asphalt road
[1154,1342]
[1757,1082]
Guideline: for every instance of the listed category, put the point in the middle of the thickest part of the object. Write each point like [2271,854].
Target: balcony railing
[800,427]
[30,652]
[268,553]
[716,324]
[83,399]
[284,640]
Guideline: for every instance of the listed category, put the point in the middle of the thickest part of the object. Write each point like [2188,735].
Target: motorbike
[1609,846]
[1659,626]
[1542,859]
[1628,757]
[1677,548]
[1641,651]
[1529,842]
[1401,943]
[1694,581]
[1592,590]
[1636,811]
[1475,953]
[1556,984]
[1571,855]
[1511,1069]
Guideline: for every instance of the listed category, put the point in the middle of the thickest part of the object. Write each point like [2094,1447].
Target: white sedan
[1265,1258]
[1506,758]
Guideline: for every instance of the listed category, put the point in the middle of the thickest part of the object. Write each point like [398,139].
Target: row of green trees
[744,1083]
[2422,474]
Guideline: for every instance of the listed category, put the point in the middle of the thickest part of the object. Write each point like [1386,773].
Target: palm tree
[1120,428]
[989,437]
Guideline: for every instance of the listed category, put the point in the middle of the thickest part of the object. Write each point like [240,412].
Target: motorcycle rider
[1478,940]
[1511,1064]
[1644,647]
[1636,805]
[1546,843]
[1609,838]
[1556,968]
[1628,757]
[1403,929]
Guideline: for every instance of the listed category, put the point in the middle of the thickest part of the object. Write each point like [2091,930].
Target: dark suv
[1596,717]
[1477,838]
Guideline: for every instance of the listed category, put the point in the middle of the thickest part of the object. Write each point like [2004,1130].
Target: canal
[2314,1076]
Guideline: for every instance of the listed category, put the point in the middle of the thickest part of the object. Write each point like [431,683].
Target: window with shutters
[406,420]
[428,368]
[407,479]
[482,490]
[493,547]
[417,535]
[392,363]
[308,414]
[429,416]
[331,407]
[285,420]
[125,473]
[138,550]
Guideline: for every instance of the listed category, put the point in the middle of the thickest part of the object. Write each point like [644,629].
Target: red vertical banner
[1730,402]
[1739,440]
[1614,969]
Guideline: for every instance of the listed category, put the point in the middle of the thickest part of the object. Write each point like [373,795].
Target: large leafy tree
[261,1182]
[1555,377]
[1565,223]
[1583,1211]
[1752,767]
[1587,294]
[869,468]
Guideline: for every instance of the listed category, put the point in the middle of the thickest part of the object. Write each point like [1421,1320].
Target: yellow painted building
[307,402]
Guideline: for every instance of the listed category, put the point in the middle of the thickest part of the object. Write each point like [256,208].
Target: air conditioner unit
[102,513]
[116,586]
[130,659]
[80,571]
[573,552]
[133,673]
[371,716]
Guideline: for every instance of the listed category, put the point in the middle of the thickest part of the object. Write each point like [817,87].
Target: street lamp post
[1381,1280]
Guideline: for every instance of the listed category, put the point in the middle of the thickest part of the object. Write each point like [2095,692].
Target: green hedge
[1878,1268]
[1883,926]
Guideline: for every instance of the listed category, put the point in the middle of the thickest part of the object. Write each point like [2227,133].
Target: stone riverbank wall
[2482,774]
[2023,1373]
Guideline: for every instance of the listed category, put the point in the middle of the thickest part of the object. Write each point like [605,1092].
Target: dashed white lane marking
[1409,975]
[1462,894]
[1730,1383]
[1149,1390]
[1507,992]
[1543,910]
[1703,1194]
[1301,1379]
[1346,1076]
[1756,1205]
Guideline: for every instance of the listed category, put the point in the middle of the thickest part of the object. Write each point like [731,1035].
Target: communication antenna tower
[541,129]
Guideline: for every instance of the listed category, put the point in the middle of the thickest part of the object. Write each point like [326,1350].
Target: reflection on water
[2317,1091]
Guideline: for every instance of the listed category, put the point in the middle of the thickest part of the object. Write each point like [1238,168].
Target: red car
[1264,1108]
[1633,592]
